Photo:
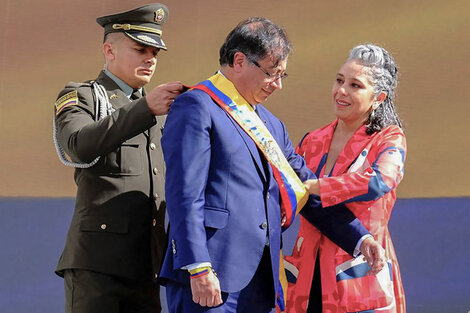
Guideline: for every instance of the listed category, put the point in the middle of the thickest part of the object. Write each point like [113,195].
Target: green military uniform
[118,224]
[120,200]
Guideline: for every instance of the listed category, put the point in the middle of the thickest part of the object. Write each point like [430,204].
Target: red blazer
[364,177]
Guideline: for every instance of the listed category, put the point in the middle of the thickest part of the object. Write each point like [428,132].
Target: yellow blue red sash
[292,191]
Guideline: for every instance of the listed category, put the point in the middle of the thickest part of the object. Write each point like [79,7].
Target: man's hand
[312,186]
[160,98]
[374,254]
[206,290]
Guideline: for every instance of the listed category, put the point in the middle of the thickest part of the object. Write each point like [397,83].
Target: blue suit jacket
[222,199]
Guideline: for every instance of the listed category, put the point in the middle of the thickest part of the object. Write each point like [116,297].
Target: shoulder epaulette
[78,85]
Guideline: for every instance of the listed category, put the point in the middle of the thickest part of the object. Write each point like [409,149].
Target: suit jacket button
[263,225]
[103,226]
[154,222]
[156,196]
[267,195]
[155,171]
[152,146]
[173,246]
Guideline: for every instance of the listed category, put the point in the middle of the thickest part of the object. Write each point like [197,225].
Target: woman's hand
[312,186]
[374,255]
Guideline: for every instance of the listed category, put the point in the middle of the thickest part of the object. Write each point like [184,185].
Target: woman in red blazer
[359,160]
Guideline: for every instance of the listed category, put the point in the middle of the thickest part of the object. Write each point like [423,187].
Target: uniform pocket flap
[215,217]
[107,224]
[130,144]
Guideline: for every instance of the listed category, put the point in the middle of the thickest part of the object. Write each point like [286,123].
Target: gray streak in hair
[383,75]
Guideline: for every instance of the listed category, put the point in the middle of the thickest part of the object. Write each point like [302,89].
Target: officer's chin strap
[102,109]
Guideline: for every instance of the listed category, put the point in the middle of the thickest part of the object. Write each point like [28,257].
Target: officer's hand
[160,98]
[374,255]
[206,290]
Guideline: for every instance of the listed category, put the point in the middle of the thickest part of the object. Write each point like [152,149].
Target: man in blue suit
[223,199]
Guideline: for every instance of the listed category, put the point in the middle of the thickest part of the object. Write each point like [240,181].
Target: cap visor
[147,39]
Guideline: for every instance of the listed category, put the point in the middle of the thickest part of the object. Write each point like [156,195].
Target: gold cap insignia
[159,15]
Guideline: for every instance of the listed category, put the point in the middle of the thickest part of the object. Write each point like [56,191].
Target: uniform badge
[159,15]
[70,98]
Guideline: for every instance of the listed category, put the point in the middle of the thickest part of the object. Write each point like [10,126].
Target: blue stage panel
[430,237]
[33,235]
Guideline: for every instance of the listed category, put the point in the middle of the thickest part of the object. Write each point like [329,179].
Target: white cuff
[357,250]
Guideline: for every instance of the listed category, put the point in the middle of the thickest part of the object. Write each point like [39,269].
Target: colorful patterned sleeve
[377,170]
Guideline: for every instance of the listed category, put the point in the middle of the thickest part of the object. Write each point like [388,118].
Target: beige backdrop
[44,44]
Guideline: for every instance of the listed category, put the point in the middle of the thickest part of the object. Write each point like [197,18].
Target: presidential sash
[292,191]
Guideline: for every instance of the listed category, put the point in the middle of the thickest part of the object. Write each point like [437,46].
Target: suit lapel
[254,151]
[265,119]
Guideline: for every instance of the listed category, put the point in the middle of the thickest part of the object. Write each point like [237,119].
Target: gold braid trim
[135,27]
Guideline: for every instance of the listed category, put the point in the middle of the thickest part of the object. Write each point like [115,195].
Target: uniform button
[156,275]
[154,222]
[263,225]
[103,226]
[155,170]
[152,146]
[156,196]
[267,195]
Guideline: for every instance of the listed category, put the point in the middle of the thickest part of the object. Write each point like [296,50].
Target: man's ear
[239,60]
[108,51]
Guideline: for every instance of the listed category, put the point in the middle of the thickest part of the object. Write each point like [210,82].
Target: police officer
[109,129]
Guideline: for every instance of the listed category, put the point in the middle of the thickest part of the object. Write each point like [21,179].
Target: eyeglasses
[271,77]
